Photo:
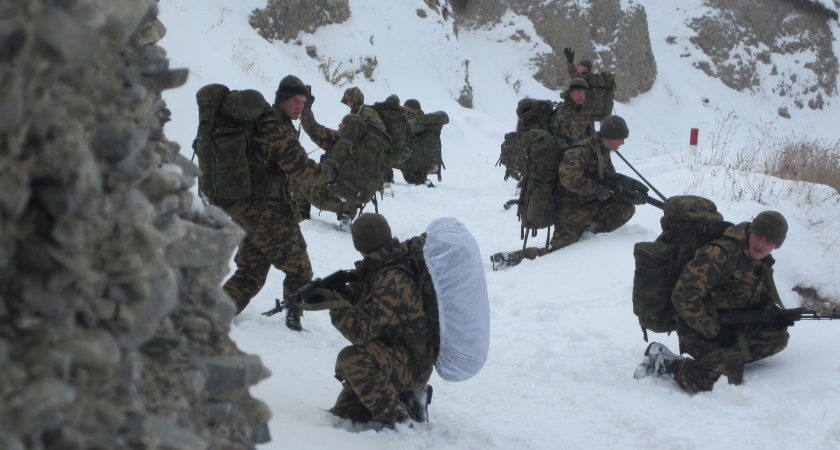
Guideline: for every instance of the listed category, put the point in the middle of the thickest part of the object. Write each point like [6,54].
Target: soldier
[355,99]
[322,196]
[273,236]
[570,121]
[412,106]
[385,370]
[585,203]
[731,273]
[582,69]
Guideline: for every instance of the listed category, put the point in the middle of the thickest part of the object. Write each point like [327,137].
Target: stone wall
[113,327]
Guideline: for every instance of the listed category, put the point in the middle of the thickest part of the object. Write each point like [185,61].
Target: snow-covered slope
[564,341]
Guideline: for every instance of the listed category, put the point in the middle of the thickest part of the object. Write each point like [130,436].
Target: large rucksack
[426,147]
[688,223]
[602,92]
[447,264]
[512,156]
[396,125]
[539,198]
[535,114]
[359,169]
[227,122]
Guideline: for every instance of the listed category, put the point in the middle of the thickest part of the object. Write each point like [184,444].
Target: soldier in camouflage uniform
[730,273]
[355,99]
[585,204]
[273,235]
[582,69]
[327,138]
[385,370]
[570,121]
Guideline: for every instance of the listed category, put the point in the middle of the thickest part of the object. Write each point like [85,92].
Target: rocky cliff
[741,42]
[113,327]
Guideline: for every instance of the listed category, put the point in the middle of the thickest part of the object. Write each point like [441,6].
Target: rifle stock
[771,315]
[333,281]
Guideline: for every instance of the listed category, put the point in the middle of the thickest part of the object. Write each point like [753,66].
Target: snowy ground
[564,341]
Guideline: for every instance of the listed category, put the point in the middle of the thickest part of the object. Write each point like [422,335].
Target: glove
[727,336]
[637,198]
[603,193]
[322,299]
[570,55]
[782,322]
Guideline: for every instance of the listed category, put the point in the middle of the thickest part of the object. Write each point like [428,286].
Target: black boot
[658,361]
[503,260]
[417,403]
[293,314]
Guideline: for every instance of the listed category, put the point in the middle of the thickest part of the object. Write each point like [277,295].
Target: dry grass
[800,160]
[811,299]
[806,162]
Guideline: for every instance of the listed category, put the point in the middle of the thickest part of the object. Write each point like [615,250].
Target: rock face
[113,327]
[747,44]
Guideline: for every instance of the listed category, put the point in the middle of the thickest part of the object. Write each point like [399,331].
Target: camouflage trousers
[373,375]
[606,216]
[711,360]
[273,239]
[322,198]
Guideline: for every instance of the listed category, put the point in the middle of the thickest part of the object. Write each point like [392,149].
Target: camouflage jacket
[387,304]
[724,276]
[571,68]
[322,136]
[276,148]
[569,120]
[587,156]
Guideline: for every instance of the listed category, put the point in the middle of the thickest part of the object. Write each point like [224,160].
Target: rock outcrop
[113,327]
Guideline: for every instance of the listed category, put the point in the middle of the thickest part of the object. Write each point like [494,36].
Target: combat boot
[397,414]
[344,222]
[503,260]
[658,361]
[293,314]
[417,403]
[428,183]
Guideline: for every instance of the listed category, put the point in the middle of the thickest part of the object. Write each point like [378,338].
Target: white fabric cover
[457,272]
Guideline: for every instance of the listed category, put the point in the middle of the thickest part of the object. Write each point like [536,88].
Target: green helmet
[614,127]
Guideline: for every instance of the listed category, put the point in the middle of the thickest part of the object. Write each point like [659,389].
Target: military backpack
[396,125]
[688,223]
[446,263]
[358,154]
[426,147]
[227,123]
[539,197]
[602,92]
[532,114]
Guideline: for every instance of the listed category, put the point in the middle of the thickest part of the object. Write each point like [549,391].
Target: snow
[564,342]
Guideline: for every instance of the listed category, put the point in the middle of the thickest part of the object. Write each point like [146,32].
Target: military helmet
[614,127]
[577,83]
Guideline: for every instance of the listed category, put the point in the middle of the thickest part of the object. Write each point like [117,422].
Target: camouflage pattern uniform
[389,332]
[320,196]
[571,68]
[570,121]
[579,205]
[411,174]
[273,235]
[725,277]
[373,119]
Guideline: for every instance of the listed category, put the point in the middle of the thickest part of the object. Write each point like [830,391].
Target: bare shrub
[811,299]
[815,161]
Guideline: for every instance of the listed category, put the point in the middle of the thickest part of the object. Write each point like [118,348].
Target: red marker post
[692,143]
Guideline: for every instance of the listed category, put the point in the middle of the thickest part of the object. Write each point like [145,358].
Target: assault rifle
[628,188]
[334,281]
[773,315]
